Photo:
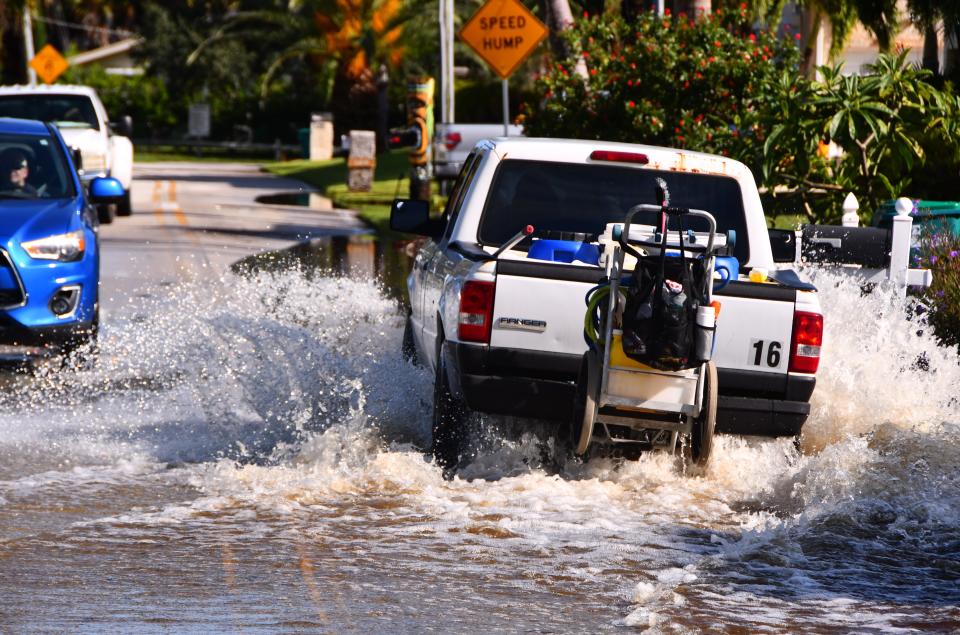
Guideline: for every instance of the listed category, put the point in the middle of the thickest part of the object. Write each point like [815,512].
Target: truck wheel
[408,348]
[585,406]
[449,421]
[701,438]
[124,208]
[106,214]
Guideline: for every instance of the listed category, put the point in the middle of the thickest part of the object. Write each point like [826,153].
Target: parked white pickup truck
[453,142]
[504,331]
[82,119]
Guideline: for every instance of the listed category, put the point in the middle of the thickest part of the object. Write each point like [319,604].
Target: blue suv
[49,249]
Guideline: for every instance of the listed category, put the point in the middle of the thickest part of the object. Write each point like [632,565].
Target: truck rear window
[578,197]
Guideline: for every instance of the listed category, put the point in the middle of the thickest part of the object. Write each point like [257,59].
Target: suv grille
[12,293]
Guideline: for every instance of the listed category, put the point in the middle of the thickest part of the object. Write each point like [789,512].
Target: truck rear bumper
[762,417]
[514,382]
[543,385]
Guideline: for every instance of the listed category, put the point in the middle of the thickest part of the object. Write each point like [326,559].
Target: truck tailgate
[754,327]
[540,306]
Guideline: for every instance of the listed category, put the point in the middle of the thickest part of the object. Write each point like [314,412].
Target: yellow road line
[157,209]
[310,580]
[177,210]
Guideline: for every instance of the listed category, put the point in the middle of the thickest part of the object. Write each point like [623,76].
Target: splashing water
[257,443]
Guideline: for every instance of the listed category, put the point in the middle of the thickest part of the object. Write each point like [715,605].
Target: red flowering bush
[670,81]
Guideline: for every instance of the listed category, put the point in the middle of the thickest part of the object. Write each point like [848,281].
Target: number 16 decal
[764,353]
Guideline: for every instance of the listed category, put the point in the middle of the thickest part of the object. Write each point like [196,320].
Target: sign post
[503,33]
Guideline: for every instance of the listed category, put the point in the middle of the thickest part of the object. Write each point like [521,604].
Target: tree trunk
[931,49]
[700,8]
[560,18]
[951,36]
[813,18]
[13,59]
[354,100]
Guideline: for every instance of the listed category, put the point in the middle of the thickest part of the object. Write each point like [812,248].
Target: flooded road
[247,457]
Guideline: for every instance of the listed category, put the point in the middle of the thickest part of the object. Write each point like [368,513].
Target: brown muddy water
[248,458]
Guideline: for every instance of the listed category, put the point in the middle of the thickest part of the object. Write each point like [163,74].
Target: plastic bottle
[758,274]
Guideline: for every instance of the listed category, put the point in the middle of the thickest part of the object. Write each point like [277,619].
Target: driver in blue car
[14,170]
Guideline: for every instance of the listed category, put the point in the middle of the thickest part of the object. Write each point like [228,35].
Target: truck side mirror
[783,243]
[124,127]
[411,216]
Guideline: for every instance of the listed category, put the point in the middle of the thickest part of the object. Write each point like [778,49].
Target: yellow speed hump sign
[503,33]
[49,64]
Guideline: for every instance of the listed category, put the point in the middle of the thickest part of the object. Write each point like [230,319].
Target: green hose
[589,327]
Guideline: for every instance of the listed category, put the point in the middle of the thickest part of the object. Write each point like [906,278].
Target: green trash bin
[937,215]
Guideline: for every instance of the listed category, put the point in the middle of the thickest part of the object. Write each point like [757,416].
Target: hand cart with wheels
[648,381]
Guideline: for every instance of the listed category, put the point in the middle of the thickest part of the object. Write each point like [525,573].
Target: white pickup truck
[504,331]
[453,142]
[82,119]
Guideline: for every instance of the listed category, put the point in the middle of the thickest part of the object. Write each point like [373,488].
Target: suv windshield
[64,110]
[33,167]
[576,197]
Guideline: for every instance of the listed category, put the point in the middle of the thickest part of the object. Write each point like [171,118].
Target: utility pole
[447,36]
[28,44]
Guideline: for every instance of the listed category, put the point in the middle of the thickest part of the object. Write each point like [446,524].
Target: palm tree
[880,17]
[928,15]
[351,36]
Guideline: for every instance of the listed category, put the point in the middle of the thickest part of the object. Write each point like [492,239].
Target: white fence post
[900,244]
[850,216]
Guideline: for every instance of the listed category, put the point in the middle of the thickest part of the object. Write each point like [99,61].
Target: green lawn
[154,156]
[330,178]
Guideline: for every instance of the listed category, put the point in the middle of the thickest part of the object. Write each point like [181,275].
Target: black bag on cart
[659,318]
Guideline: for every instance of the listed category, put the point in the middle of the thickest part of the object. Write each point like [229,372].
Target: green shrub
[673,81]
[894,129]
[715,85]
[142,97]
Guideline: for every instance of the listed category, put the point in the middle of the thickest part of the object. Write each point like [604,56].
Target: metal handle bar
[671,211]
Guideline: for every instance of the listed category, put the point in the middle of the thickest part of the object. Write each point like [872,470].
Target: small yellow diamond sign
[503,33]
[49,64]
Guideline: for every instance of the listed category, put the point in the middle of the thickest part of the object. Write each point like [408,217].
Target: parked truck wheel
[449,422]
[106,214]
[124,208]
[701,438]
[585,408]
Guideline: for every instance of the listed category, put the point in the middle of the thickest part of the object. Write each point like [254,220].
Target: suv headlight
[62,247]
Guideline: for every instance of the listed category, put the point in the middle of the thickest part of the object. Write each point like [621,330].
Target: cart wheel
[585,411]
[701,438]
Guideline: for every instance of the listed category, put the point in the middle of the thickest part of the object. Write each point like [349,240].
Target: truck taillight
[619,157]
[806,341]
[476,311]
[452,140]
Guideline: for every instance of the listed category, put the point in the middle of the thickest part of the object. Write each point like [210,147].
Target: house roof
[104,52]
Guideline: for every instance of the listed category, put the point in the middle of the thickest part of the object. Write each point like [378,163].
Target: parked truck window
[74,110]
[578,197]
